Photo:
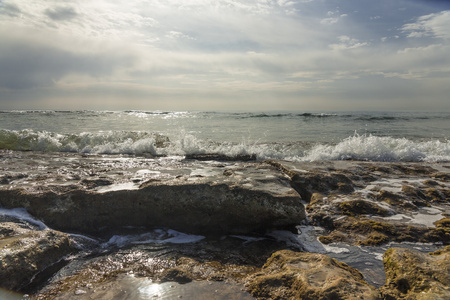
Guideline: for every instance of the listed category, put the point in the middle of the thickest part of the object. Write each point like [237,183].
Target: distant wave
[283,115]
[381,118]
[356,147]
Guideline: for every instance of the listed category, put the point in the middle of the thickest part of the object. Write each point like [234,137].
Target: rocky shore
[208,225]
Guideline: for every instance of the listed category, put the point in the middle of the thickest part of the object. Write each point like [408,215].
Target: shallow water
[9,295]
[128,287]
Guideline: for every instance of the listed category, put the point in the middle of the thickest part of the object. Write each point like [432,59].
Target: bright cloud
[227,54]
[434,25]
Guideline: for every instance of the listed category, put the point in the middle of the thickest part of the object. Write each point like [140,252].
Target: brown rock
[414,275]
[307,184]
[294,275]
[362,207]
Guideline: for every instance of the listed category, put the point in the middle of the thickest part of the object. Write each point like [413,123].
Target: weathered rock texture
[369,204]
[414,275]
[25,253]
[198,207]
[294,275]
[200,198]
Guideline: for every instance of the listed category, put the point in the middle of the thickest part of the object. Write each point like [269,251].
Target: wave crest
[356,147]
[375,148]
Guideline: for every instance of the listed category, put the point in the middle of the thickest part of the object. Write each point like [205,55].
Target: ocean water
[293,136]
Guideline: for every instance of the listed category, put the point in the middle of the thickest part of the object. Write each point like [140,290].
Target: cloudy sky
[248,55]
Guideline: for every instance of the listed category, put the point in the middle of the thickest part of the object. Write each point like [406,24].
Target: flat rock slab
[91,193]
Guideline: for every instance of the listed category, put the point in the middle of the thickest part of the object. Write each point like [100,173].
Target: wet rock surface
[415,275]
[294,275]
[225,262]
[375,203]
[195,198]
[26,252]
[121,202]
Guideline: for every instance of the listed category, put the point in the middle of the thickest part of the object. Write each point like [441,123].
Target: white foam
[205,172]
[158,236]
[248,239]
[306,240]
[118,187]
[22,214]
[426,216]
[357,147]
[374,148]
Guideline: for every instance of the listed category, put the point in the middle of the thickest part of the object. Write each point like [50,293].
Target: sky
[255,55]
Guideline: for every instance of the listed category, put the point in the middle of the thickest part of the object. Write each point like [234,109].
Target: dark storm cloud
[61,13]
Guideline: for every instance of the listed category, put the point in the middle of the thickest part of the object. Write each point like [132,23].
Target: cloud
[433,25]
[224,49]
[61,13]
[333,17]
[29,62]
[346,43]
[9,9]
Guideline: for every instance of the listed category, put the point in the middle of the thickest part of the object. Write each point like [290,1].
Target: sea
[291,136]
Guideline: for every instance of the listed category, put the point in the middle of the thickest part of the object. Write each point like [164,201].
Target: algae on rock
[414,275]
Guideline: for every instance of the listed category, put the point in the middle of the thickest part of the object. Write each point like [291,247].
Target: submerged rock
[26,252]
[414,275]
[294,275]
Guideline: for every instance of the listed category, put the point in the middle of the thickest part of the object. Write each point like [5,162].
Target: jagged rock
[25,253]
[365,232]
[395,200]
[92,183]
[307,184]
[361,207]
[294,275]
[414,275]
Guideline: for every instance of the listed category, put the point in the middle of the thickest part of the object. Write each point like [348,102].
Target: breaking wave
[375,148]
[356,147]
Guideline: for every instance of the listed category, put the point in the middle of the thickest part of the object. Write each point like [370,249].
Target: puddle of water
[133,288]
[8,295]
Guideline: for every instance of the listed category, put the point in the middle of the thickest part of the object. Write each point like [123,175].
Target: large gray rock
[222,200]
[25,252]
